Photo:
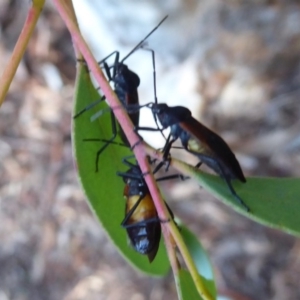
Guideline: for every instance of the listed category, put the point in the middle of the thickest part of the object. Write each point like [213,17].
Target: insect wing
[215,144]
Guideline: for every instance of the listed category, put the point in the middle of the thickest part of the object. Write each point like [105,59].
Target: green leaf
[187,287]
[104,189]
[272,201]
[200,259]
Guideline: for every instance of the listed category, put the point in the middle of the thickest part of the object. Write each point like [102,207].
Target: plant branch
[175,232]
[11,68]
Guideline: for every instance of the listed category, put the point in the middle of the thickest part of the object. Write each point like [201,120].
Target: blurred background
[235,64]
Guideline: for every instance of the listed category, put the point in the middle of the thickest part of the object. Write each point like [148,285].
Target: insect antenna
[143,40]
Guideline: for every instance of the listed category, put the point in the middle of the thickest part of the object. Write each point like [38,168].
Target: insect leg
[175,176]
[154,85]
[108,56]
[233,192]
[90,106]
[105,141]
[114,131]
[132,210]
[198,164]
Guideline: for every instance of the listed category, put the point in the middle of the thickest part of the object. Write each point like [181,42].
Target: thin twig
[21,45]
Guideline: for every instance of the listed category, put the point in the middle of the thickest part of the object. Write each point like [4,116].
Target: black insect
[141,221]
[200,141]
[126,84]
[196,138]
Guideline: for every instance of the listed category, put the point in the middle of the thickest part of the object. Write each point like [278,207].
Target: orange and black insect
[141,221]
[200,141]
[126,84]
